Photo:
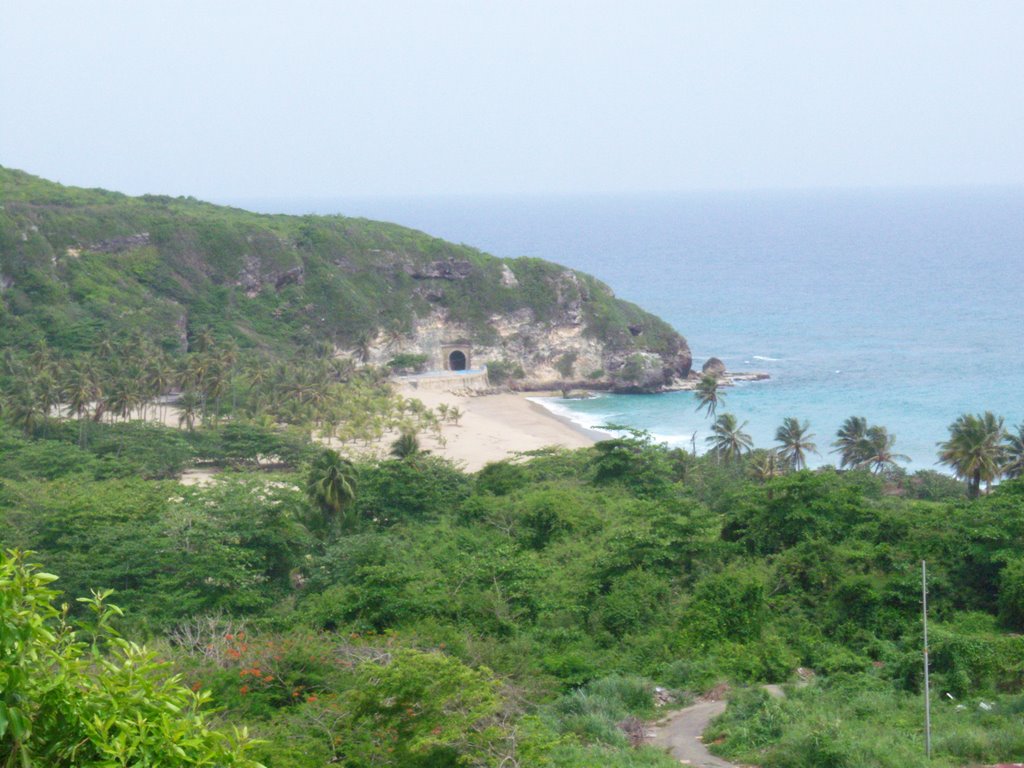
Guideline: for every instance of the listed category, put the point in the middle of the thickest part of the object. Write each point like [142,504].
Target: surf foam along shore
[597,422]
[495,427]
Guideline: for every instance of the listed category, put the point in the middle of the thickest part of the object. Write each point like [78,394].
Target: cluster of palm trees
[866,447]
[131,378]
[979,449]
[122,379]
[728,442]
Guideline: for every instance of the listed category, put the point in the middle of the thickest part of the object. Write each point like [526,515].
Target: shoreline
[495,427]
[594,435]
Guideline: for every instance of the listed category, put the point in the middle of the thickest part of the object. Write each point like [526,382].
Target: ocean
[904,306]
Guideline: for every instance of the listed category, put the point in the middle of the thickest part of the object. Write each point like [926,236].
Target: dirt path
[680,734]
[681,731]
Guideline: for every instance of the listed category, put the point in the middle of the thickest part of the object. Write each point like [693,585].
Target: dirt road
[680,734]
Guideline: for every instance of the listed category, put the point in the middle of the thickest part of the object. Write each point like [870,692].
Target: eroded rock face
[181,326]
[253,278]
[553,355]
[121,244]
[293,276]
[441,270]
[713,367]
[508,277]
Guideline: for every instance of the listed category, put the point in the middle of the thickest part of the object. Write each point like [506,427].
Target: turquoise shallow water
[906,307]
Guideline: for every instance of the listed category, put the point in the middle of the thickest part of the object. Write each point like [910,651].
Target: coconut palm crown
[975,449]
[849,441]
[795,442]
[331,485]
[728,440]
[877,452]
[1013,465]
[709,394]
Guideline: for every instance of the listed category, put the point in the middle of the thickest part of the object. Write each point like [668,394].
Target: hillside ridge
[77,265]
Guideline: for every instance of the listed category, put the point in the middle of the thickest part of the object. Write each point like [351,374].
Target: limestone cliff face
[564,345]
[77,265]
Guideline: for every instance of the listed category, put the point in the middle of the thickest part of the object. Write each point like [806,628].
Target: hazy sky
[307,98]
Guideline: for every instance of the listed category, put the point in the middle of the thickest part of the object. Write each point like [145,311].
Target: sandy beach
[492,427]
[495,427]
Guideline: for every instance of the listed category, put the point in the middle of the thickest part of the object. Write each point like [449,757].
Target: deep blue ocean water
[906,307]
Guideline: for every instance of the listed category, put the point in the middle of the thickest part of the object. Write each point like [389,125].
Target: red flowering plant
[261,673]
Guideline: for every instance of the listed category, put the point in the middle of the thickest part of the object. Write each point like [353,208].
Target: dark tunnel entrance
[457,361]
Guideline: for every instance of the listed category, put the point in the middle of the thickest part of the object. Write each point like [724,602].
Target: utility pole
[927,695]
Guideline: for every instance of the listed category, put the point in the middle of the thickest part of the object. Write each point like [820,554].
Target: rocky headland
[79,265]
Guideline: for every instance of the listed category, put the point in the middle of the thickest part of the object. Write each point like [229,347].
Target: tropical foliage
[400,611]
[78,266]
[331,486]
[975,449]
[709,394]
[795,443]
[849,441]
[77,694]
[866,447]
[521,614]
[728,440]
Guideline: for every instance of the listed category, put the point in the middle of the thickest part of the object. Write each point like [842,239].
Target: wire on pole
[927,696]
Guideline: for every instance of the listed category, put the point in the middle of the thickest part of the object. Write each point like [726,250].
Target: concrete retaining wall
[443,381]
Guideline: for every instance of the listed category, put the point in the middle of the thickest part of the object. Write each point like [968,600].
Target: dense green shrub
[399,490]
[727,606]
[930,485]
[1011,594]
[407,362]
[82,696]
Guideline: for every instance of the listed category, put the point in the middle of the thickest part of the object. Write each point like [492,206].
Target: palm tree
[119,399]
[331,486]
[46,389]
[257,371]
[975,449]
[81,390]
[203,341]
[214,385]
[407,446]
[21,408]
[877,451]
[709,394]
[796,442]
[767,467]
[341,368]
[364,346]
[729,441]
[188,409]
[849,442]
[1014,446]
[159,379]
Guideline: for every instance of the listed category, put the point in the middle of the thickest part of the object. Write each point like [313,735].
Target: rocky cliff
[559,350]
[78,264]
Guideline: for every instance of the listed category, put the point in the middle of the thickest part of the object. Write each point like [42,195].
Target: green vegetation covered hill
[78,265]
[523,615]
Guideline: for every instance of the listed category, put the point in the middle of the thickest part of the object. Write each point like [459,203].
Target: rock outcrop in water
[713,367]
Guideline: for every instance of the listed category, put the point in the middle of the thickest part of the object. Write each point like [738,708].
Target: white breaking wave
[592,421]
[675,441]
[767,359]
